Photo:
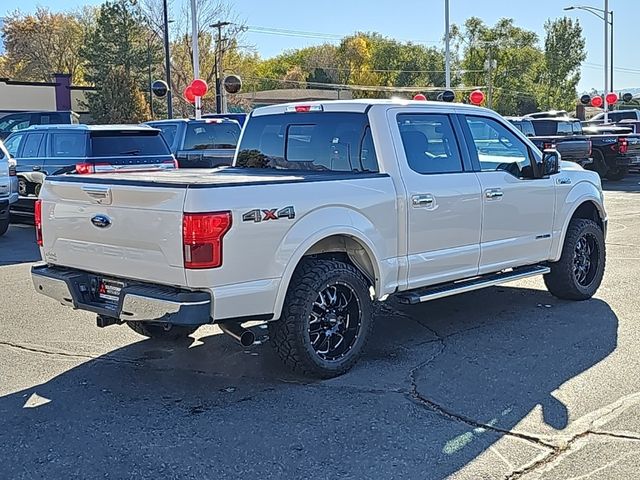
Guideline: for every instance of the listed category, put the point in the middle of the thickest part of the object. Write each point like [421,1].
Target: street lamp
[602,14]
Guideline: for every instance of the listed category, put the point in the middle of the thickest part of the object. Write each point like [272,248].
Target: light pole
[603,14]
[447,54]
[167,58]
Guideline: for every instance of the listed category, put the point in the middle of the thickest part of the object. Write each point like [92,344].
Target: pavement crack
[70,355]
[618,435]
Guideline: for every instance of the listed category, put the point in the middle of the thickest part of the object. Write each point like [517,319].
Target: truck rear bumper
[628,161]
[135,301]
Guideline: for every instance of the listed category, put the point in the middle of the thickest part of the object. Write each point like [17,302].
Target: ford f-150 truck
[563,134]
[328,208]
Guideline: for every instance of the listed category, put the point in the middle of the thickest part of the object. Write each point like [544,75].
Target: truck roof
[89,128]
[361,105]
[191,120]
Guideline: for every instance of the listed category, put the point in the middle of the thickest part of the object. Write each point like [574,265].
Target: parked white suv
[8,187]
[329,206]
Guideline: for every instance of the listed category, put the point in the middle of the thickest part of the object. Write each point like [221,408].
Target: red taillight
[84,168]
[303,108]
[202,235]
[38,221]
[623,145]
[547,145]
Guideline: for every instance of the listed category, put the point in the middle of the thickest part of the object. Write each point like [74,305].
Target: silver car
[8,187]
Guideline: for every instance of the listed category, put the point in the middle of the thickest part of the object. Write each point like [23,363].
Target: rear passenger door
[32,152]
[443,204]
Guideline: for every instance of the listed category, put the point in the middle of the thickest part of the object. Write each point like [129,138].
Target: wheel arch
[587,207]
[344,243]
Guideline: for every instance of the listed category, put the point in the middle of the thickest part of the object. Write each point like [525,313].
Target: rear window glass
[322,141]
[545,127]
[168,131]
[115,144]
[203,136]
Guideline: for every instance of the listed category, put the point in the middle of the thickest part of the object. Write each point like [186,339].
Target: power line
[374,88]
[620,69]
[324,36]
[346,69]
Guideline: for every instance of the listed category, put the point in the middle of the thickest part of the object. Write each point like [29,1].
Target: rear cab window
[168,131]
[310,141]
[545,128]
[211,134]
[110,143]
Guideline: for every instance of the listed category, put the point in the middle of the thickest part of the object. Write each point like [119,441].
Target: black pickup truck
[206,143]
[614,152]
[562,133]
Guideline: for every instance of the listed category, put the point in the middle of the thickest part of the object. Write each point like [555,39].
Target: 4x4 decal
[259,215]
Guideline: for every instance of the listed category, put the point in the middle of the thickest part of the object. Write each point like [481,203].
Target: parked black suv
[40,151]
[203,143]
[14,122]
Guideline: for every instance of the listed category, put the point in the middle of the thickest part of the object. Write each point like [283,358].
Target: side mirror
[550,162]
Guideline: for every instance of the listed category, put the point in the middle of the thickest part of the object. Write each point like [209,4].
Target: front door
[443,195]
[518,209]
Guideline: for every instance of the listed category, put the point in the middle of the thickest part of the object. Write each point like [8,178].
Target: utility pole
[219,99]
[490,81]
[447,54]
[150,80]
[606,59]
[606,20]
[167,59]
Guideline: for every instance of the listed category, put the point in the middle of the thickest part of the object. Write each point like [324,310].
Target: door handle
[36,168]
[493,193]
[418,201]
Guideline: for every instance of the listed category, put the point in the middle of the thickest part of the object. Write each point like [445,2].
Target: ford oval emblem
[101,221]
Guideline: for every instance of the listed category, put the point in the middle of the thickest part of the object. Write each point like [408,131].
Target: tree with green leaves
[505,57]
[119,99]
[564,52]
[117,55]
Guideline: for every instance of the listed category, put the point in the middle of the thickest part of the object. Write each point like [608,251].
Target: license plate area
[109,290]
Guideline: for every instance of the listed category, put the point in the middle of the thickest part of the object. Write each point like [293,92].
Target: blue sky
[420,20]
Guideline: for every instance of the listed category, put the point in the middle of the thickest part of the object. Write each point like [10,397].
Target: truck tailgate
[132,231]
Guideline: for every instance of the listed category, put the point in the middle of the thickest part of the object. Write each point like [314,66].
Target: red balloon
[199,87]
[611,98]
[596,101]
[189,96]
[476,97]
[419,96]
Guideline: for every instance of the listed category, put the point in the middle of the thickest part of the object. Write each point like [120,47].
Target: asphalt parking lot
[507,382]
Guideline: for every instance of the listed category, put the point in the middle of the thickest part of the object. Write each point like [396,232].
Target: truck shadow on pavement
[442,385]
[18,245]
[630,184]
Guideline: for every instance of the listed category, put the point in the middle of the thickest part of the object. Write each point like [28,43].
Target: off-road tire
[4,225]
[599,165]
[562,281]
[617,173]
[160,331]
[291,334]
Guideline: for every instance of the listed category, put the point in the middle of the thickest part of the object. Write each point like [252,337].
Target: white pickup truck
[327,208]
